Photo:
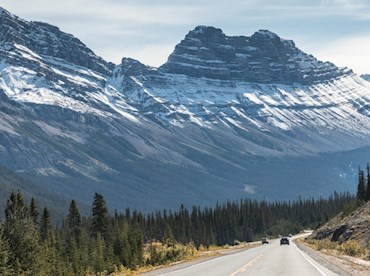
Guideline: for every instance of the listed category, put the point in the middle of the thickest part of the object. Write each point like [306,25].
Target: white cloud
[352,52]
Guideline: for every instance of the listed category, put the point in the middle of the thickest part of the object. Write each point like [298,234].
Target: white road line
[242,269]
[308,260]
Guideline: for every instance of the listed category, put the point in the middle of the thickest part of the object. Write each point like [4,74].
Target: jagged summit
[266,34]
[263,58]
[46,40]
[207,33]
[2,10]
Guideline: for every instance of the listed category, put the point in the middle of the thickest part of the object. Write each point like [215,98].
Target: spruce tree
[52,262]
[33,211]
[71,253]
[100,219]
[21,232]
[367,192]
[74,220]
[98,254]
[122,246]
[45,225]
[5,269]
[361,185]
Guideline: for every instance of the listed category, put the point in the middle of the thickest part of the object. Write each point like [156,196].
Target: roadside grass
[351,248]
[159,255]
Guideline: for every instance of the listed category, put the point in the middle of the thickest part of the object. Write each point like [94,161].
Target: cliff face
[263,58]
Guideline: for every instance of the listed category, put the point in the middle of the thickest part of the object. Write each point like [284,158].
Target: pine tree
[367,193]
[5,269]
[52,263]
[21,232]
[137,246]
[100,219]
[98,253]
[45,225]
[33,211]
[71,252]
[121,245]
[361,185]
[74,220]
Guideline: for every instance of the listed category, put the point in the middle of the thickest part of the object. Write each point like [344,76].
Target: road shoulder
[341,265]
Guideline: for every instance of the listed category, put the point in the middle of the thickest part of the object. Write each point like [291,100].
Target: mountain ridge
[45,39]
[263,57]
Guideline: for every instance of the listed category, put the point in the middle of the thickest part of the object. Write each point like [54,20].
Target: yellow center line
[242,269]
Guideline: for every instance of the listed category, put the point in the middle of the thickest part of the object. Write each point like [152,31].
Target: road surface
[267,260]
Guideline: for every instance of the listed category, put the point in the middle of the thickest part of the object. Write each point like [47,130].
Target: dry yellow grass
[350,248]
[190,252]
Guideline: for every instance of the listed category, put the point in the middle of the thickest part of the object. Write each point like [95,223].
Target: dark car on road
[264,240]
[284,241]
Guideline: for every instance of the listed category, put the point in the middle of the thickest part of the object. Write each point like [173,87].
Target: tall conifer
[45,225]
[5,269]
[367,190]
[100,219]
[361,185]
[74,220]
[33,211]
[23,237]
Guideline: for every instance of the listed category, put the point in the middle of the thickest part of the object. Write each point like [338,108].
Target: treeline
[363,186]
[104,243]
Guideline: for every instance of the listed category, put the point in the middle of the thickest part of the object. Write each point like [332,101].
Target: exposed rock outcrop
[355,226]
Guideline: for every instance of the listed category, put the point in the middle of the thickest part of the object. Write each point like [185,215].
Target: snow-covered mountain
[223,118]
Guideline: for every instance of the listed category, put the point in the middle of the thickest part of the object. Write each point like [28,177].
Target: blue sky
[148,30]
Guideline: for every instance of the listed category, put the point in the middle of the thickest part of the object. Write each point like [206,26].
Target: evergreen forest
[105,242]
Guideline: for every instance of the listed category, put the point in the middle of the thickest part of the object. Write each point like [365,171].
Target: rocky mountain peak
[47,40]
[262,58]
[265,35]
[3,11]
[206,34]
[132,67]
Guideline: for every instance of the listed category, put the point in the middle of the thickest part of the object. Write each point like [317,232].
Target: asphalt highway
[267,260]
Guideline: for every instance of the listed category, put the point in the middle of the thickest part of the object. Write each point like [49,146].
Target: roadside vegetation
[349,245]
[350,248]
[124,243]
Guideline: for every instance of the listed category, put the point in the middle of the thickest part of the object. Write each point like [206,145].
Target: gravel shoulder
[339,264]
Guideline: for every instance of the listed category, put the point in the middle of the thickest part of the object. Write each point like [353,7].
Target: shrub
[352,248]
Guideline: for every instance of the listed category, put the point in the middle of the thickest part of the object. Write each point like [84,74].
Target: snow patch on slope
[337,107]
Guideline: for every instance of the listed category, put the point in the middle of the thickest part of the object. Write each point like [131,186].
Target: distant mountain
[264,58]
[366,77]
[224,118]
